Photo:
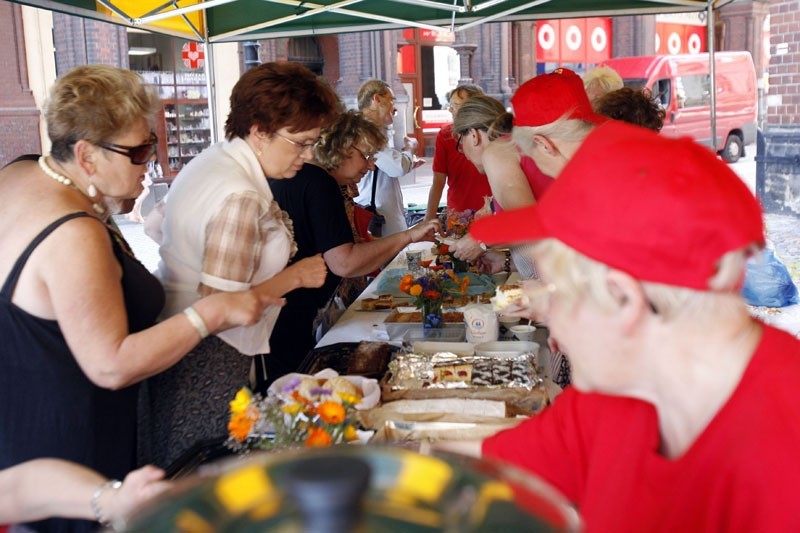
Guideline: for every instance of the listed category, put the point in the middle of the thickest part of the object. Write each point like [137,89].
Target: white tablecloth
[355,326]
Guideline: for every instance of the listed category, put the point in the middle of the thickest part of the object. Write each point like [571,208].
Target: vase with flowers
[428,292]
[309,415]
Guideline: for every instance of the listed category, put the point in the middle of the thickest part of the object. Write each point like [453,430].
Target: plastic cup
[523,332]
[413,257]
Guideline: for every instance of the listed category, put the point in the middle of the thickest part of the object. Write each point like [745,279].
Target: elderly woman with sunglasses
[77,310]
[223,231]
[315,200]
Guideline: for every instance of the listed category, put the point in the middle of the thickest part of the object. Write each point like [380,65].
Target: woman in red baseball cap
[684,414]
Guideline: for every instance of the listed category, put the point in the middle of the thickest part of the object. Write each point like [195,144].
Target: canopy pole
[211,86]
[712,64]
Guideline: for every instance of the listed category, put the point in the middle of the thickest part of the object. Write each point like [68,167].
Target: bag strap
[374,187]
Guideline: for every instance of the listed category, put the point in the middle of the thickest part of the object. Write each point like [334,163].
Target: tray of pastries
[512,378]
[384,302]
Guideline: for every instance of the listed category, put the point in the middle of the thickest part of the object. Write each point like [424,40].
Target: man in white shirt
[376,102]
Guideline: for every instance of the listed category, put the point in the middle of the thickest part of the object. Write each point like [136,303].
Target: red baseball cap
[662,210]
[548,97]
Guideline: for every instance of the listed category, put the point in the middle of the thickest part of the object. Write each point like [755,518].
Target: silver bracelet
[114,484]
[196,321]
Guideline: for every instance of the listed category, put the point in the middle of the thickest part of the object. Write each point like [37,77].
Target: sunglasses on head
[139,155]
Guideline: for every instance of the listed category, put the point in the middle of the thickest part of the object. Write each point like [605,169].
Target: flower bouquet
[428,292]
[298,411]
[457,222]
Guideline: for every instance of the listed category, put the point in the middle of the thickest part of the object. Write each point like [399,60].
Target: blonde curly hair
[347,130]
[95,103]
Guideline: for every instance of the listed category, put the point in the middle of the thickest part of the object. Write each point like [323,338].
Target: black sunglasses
[459,148]
[139,155]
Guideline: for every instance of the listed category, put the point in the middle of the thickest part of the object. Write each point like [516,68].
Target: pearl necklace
[63,180]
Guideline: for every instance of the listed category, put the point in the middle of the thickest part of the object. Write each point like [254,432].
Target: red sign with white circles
[193,55]
[573,40]
[680,38]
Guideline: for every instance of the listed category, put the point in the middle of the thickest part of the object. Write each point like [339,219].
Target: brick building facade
[19,116]
[81,41]
[778,160]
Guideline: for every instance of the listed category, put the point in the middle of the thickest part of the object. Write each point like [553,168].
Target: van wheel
[734,147]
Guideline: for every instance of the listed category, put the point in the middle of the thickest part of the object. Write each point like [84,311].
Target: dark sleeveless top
[49,408]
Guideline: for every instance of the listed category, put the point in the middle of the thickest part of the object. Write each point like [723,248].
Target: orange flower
[241,423]
[464,284]
[405,286]
[318,438]
[433,295]
[408,278]
[415,290]
[331,412]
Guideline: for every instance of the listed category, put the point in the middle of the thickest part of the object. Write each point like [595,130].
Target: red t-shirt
[741,474]
[466,187]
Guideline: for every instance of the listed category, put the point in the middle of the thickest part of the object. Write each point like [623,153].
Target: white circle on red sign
[547,36]
[599,39]
[694,44]
[674,43]
[573,38]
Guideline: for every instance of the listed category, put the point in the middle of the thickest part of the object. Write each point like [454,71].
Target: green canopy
[236,20]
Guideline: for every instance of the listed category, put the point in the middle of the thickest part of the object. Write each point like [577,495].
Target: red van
[683,86]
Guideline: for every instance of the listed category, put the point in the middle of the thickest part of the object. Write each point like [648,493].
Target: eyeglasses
[536,296]
[139,155]
[300,147]
[371,158]
[453,107]
[459,147]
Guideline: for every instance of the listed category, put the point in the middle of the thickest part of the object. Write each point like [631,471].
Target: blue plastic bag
[768,283]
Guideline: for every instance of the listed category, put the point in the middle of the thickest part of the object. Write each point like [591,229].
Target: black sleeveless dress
[49,408]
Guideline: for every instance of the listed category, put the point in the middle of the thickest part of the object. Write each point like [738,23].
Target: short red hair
[280,95]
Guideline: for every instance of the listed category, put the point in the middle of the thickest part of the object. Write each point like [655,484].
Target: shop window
[175,68]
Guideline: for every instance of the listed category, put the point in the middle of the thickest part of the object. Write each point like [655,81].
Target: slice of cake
[506,296]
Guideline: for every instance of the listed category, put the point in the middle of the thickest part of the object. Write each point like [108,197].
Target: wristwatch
[483,246]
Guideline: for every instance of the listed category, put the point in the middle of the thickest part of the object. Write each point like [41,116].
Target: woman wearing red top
[466,185]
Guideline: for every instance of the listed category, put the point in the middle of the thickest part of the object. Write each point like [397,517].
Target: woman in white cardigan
[223,231]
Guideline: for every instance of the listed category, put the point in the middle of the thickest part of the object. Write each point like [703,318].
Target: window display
[184,126]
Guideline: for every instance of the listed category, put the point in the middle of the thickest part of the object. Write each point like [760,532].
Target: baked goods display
[466,299]
[448,317]
[381,303]
[448,371]
[506,296]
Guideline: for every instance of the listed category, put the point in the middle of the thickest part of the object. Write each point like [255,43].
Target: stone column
[465,53]
[523,61]
[633,36]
